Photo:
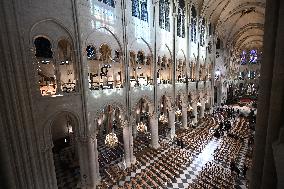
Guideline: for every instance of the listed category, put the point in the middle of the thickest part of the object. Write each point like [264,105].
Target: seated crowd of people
[155,168]
[196,139]
[213,176]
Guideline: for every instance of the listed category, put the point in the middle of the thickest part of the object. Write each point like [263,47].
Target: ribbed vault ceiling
[239,23]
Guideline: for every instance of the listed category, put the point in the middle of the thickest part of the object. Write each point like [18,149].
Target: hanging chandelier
[111,140]
[178,113]
[141,127]
[163,119]
[189,108]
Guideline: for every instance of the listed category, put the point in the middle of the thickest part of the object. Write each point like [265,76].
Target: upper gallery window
[202,32]
[43,48]
[141,72]
[66,67]
[105,68]
[164,12]
[140,10]
[181,19]
[193,24]
[55,75]
[45,67]
[109,2]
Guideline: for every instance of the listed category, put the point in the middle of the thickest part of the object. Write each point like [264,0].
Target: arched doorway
[142,129]
[65,152]
[110,141]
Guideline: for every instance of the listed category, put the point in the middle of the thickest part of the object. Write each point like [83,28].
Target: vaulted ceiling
[239,23]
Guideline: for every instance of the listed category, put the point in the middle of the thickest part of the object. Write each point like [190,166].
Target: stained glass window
[109,2]
[243,58]
[140,10]
[193,24]
[144,11]
[202,32]
[181,19]
[167,15]
[164,12]
[135,8]
[253,57]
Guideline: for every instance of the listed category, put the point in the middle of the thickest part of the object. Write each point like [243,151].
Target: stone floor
[193,169]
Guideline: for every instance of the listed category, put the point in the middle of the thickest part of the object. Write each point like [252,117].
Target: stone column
[154,131]
[92,161]
[184,116]
[134,126]
[278,153]
[268,114]
[172,123]
[126,144]
[276,108]
[132,157]
[194,111]
[202,109]
[88,165]
[50,168]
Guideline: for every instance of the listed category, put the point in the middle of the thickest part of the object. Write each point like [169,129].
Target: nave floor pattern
[192,168]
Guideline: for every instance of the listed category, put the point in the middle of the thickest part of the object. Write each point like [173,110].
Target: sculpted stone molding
[148,100]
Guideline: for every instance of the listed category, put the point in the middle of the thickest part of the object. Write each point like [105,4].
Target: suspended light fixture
[163,119]
[178,113]
[111,140]
[141,127]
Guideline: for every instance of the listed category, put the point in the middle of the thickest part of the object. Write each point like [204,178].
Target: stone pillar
[276,110]
[92,147]
[278,153]
[132,157]
[270,98]
[88,165]
[154,131]
[134,126]
[194,111]
[172,123]
[50,168]
[126,144]
[202,109]
[184,116]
